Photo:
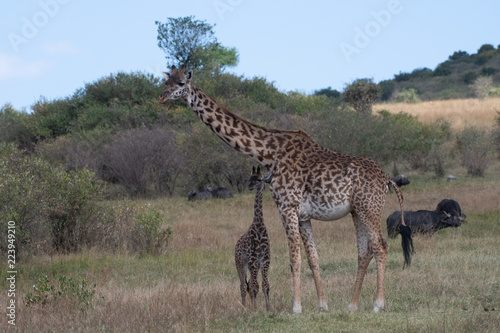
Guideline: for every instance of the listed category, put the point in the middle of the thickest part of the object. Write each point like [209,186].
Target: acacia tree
[192,43]
[361,94]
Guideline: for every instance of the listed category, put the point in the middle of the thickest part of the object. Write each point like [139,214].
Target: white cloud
[58,48]
[13,67]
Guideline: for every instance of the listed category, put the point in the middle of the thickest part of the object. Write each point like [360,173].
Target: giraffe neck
[254,141]
[258,215]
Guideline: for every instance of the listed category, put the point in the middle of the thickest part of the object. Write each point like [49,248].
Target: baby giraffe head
[176,84]
[255,179]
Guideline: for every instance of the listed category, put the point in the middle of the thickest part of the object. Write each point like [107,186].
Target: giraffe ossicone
[308,182]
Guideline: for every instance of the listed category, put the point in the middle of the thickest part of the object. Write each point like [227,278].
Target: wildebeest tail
[404,230]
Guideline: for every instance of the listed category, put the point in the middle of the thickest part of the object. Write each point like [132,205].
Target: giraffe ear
[189,75]
[166,76]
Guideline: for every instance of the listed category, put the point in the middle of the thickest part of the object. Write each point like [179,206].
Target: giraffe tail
[404,230]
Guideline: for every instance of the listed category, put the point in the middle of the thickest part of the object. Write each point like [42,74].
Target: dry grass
[194,287]
[459,112]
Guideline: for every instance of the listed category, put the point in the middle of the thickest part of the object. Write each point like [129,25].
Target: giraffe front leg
[291,225]
[312,257]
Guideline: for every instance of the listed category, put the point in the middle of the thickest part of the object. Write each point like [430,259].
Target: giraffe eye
[181,84]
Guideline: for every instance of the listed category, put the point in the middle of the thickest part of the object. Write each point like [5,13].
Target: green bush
[123,88]
[482,86]
[442,70]
[148,234]
[475,146]
[488,71]
[408,95]
[67,288]
[386,89]
[52,208]
[469,77]
[361,94]
[20,128]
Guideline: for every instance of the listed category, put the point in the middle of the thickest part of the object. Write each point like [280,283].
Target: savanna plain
[453,284]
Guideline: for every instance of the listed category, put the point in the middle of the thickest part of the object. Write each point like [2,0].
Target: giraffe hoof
[323,307]
[352,308]
[379,306]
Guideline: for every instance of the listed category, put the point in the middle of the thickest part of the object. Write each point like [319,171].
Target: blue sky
[51,48]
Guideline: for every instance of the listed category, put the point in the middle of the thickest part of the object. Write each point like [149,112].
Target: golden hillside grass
[194,286]
[459,112]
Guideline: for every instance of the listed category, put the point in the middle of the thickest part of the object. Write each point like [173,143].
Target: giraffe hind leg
[254,284]
[265,284]
[241,268]
[370,243]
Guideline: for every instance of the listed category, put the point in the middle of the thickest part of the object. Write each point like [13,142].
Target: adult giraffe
[309,182]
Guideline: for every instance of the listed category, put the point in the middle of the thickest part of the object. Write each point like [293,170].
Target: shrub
[442,70]
[328,92]
[209,161]
[124,88]
[52,208]
[482,86]
[69,204]
[437,159]
[475,146]
[469,77]
[481,59]
[20,128]
[457,55]
[361,94]
[488,71]
[495,92]
[66,288]
[408,95]
[144,161]
[148,234]
[485,48]
[402,76]
[421,73]
[386,89]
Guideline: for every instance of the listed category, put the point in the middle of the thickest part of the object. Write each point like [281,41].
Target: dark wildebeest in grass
[200,195]
[209,193]
[426,221]
[221,193]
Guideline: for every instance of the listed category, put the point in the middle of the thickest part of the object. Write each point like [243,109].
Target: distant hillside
[450,79]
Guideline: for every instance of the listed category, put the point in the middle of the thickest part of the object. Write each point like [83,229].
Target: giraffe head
[256,179]
[175,84]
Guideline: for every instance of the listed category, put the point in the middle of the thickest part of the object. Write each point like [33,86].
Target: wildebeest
[201,195]
[209,193]
[426,221]
[401,180]
[221,193]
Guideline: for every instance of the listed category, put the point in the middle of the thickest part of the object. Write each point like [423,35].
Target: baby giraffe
[252,249]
